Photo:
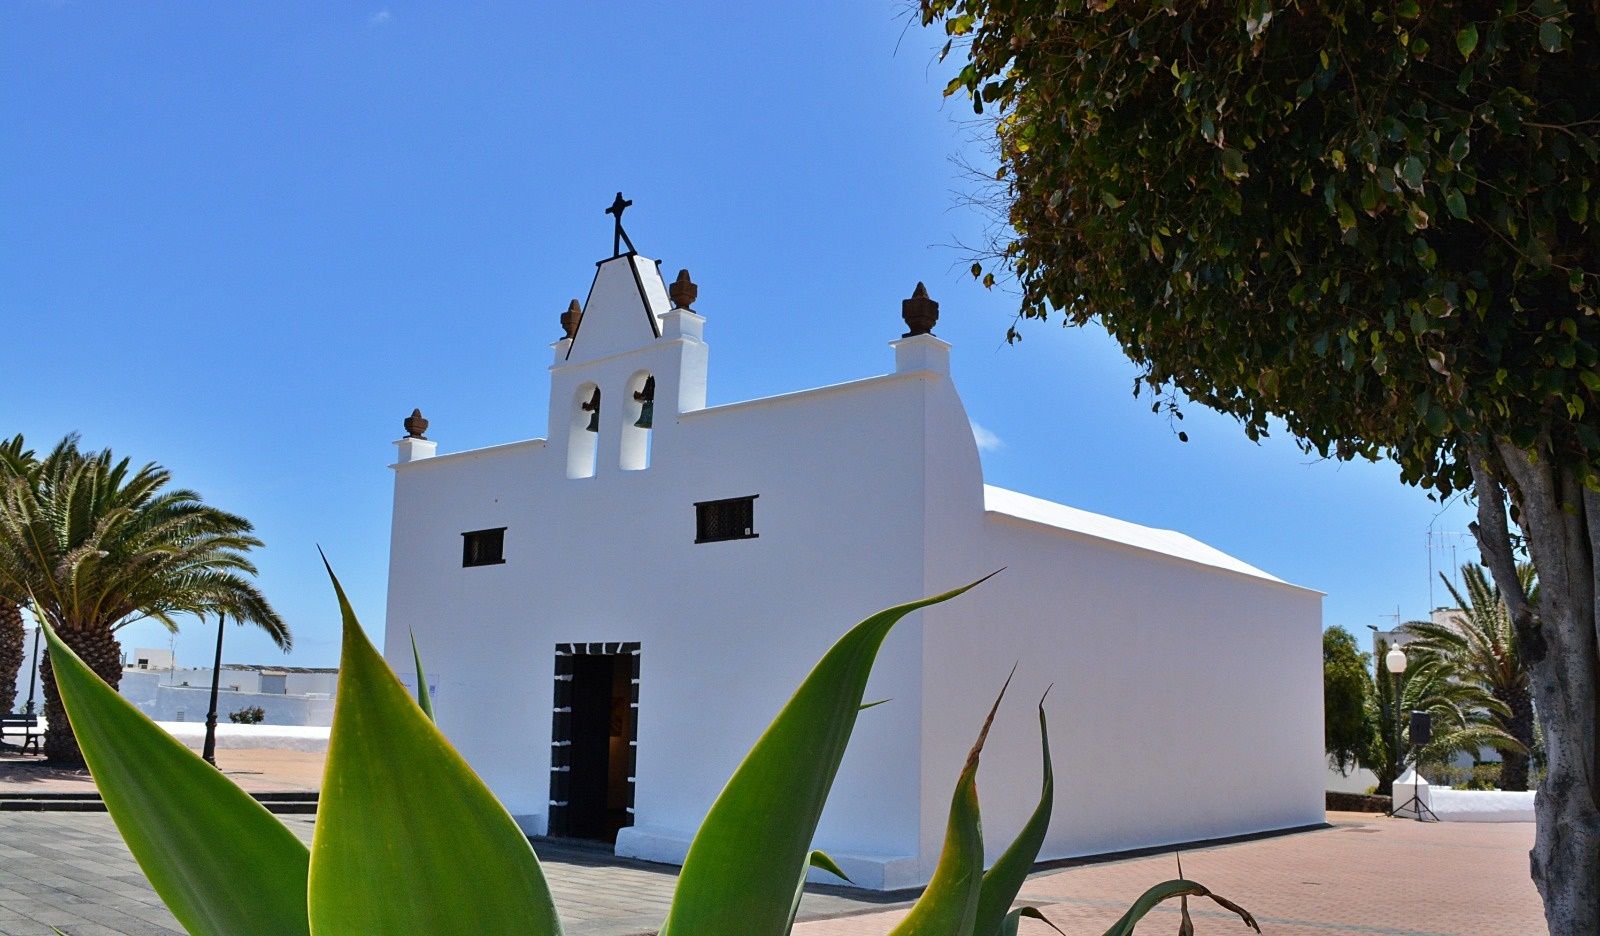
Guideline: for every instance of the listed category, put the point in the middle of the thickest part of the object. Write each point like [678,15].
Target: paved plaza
[1365,875]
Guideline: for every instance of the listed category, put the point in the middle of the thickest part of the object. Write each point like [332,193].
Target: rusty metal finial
[683,291]
[618,235]
[416,425]
[920,312]
[571,318]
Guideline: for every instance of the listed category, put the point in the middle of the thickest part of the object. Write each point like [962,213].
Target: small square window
[729,519]
[483,547]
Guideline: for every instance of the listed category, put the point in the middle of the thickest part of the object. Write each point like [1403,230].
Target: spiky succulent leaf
[408,839]
[738,878]
[222,864]
[1004,879]
[949,904]
[1167,890]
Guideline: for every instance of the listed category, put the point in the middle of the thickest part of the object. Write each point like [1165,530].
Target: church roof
[997,500]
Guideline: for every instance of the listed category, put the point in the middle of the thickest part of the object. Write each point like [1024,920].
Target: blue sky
[244,240]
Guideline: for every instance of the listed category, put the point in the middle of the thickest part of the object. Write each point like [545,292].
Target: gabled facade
[612,614]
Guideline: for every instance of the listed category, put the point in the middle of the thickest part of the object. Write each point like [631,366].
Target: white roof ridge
[999,500]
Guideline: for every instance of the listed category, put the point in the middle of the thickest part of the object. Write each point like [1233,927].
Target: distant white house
[287,695]
[612,614]
[152,680]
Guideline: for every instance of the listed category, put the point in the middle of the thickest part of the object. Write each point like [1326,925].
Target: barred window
[483,547]
[729,519]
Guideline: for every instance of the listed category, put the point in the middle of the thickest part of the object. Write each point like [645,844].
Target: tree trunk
[101,651]
[12,650]
[1514,764]
[1561,524]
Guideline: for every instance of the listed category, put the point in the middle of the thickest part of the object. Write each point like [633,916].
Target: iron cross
[619,236]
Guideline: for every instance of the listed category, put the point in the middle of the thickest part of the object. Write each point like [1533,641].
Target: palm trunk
[1561,522]
[1514,764]
[12,650]
[100,650]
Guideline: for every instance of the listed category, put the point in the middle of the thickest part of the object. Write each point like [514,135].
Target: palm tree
[1462,716]
[98,546]
[16,459]
[1480,647]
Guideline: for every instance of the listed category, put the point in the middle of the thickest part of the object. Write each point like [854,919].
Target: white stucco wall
[1188,699]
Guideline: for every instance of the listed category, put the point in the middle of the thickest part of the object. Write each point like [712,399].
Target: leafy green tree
[1371,223]
[99,546]
[1463,717]
[16,459]
[1480,646]
[1346,728]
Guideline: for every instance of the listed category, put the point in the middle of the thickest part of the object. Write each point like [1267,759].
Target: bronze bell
[920,312]
[647,404]
[593,409]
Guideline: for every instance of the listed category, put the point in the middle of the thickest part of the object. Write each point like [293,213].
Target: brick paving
[1366,876]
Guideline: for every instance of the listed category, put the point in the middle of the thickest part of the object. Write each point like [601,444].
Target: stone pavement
[1366,876]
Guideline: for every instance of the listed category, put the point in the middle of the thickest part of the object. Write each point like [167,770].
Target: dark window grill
[483,547]
[728,519]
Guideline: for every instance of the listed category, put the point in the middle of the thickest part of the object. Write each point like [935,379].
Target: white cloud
[987,441]
[380,17]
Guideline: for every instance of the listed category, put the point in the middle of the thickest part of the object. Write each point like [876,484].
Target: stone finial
[683,291]
[571,318]
[920,312]
[416,425]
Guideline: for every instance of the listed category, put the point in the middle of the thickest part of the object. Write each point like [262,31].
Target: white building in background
[287,695]
[611,615]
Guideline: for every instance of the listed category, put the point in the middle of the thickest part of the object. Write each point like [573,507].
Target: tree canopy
[1373,221]
[1346,731]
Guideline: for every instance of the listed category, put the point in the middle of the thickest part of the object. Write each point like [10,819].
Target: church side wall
[1186,701]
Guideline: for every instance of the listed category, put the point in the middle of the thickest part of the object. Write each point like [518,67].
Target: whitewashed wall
[1188,700]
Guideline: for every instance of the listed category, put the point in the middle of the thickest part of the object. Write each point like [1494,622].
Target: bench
[26,725]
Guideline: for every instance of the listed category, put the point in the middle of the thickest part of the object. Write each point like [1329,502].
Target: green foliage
[222,864]
[1374,223]
[1346,730]
[1463,716]
[1480,646]
[409,840]
[249,715]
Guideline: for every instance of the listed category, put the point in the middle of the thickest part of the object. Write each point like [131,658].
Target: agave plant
[409,840]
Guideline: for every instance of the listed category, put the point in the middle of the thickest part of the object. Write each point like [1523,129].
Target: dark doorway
[593,796]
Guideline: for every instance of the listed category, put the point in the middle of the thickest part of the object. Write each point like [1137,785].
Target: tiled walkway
[1365,876]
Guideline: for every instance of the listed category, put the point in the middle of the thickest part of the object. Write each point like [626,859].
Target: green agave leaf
[949,905]
[424,700]
[222,864]
[1013,920]
[1004,880]
[738,878]
[1167,890]
[817,859]
[408,839]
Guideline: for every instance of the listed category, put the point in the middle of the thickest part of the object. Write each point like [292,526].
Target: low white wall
[190,704]
[1481,805]
[310,738]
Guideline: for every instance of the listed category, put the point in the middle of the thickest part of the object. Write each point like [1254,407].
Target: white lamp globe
[1395,660]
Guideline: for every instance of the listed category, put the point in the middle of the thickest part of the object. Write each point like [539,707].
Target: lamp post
[33,677]
[1395,662]
[209,752]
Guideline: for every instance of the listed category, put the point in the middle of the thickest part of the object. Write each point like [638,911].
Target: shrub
[251,715]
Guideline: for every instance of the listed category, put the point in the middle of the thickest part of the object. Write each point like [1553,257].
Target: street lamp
[209,752]
[1395,662]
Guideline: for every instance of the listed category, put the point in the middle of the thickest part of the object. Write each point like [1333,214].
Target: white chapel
[612,614]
